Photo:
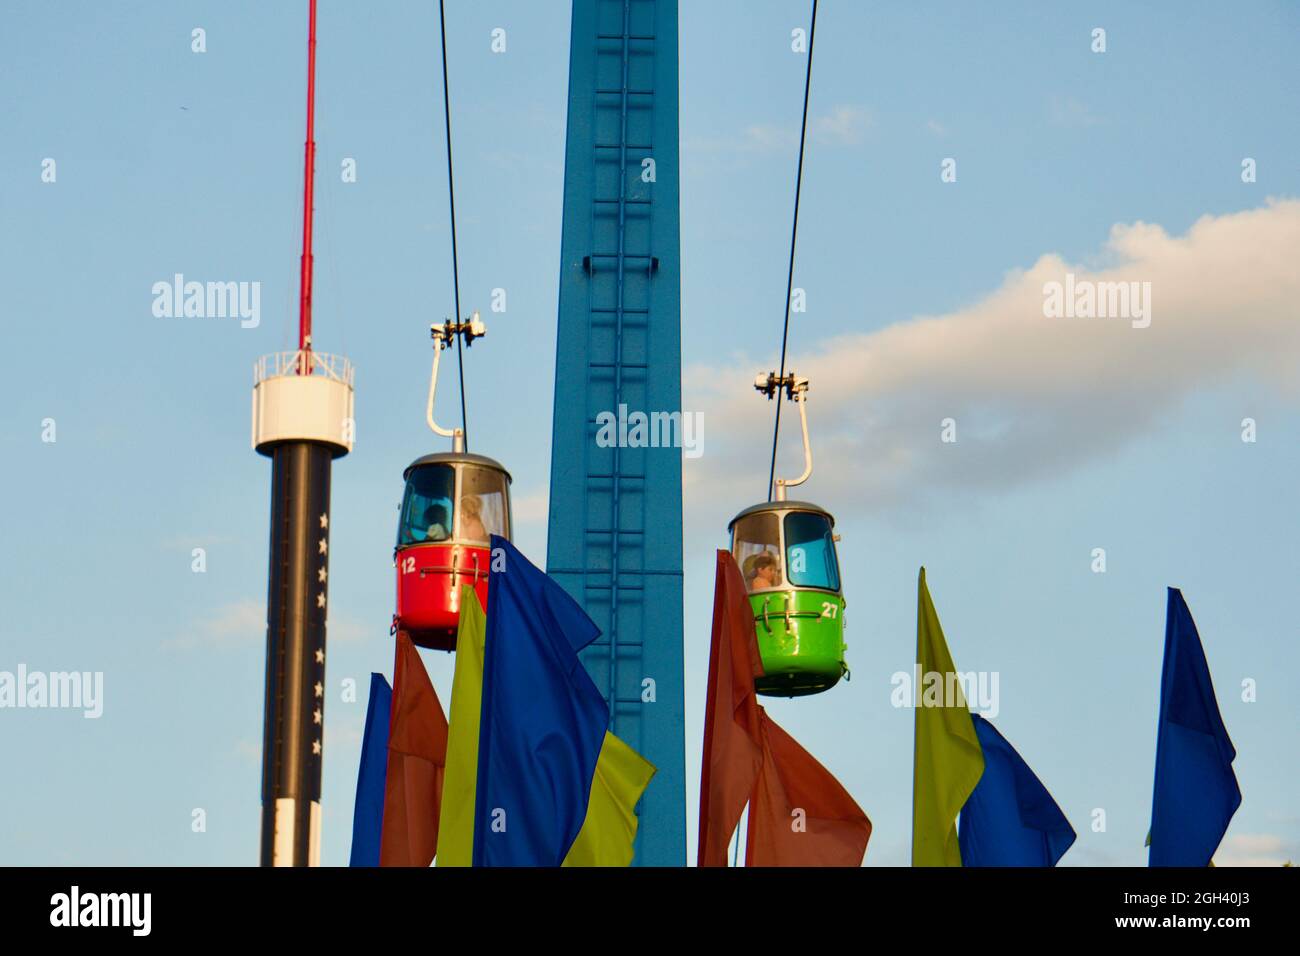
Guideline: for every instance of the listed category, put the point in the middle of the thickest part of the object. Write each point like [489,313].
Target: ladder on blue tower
[615,529]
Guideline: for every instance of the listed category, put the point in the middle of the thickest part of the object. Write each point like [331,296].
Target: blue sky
[1070,439]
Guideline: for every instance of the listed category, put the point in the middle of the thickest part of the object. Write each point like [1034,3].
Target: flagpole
[916,702]
[742,826]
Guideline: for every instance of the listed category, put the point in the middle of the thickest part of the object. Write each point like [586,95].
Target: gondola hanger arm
[442,336]
[796,390]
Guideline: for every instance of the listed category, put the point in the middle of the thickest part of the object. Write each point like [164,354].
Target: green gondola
[786,552]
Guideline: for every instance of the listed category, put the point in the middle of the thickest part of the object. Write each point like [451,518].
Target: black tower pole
[295,654]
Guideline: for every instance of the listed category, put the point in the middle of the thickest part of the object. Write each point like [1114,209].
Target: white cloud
[243,623]
[842,126]
[1254,849]
[1032,396]
[249,751]
[1072,114]
[345,730]
[190,541]
[765,138]
[346,629]
[231,625]
[530,507]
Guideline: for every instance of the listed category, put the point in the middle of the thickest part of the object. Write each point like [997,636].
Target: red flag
[732,741]
[799,814]
[417,758]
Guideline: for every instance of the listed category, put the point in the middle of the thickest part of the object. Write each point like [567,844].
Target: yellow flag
[456,822]
[609,828]
[948,761]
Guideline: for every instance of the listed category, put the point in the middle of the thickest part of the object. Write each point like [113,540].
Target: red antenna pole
[309,175]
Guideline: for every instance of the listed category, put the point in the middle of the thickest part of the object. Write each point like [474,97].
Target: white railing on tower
[336,367]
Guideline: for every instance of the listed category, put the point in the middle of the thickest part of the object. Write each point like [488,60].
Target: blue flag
[543,720]
[368,814]
[1010,819]
[1196,792]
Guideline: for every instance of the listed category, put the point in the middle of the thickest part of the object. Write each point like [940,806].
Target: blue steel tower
[615,532]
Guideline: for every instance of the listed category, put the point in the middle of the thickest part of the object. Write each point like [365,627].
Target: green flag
[948,761]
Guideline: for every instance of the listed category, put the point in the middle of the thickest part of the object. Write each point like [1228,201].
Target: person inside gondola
[763,571]
[471,519]
[436,516]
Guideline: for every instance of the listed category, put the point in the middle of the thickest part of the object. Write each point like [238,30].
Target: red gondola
[454,502]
